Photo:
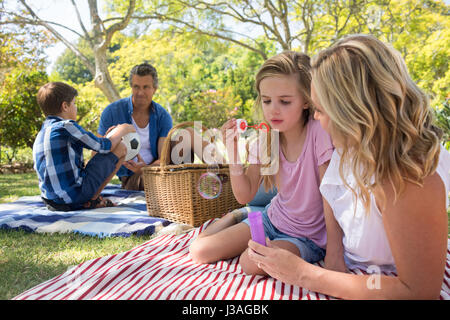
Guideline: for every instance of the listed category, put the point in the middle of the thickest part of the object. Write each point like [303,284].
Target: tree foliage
[70,68]
[443,121]
[99,37]
[20,116]
[190,68]
[207,52]
[21,46]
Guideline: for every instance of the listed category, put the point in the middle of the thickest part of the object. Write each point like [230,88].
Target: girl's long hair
[287,63]
[379,116]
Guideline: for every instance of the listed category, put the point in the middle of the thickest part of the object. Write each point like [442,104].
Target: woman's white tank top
[365,241]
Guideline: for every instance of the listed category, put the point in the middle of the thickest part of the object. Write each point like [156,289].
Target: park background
[206,53]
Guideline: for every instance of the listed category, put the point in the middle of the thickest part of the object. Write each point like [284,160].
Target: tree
[22,62]
[20,115]
[290,24]
[189,66]
[99,38]
[443,121]
[70,68]
[423,38]
[419,29]
[22,47]
[303,25]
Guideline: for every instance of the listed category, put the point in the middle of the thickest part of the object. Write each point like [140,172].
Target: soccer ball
[133,144]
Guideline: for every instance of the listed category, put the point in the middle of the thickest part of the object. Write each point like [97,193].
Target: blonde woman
[387,181]
[294,219]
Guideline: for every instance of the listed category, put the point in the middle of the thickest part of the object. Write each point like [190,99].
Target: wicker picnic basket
[171,190]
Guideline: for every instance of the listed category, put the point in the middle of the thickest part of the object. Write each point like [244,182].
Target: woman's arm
[334,258]
[416,227]
[417,232]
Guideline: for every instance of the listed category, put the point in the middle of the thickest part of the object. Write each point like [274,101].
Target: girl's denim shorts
[309,251]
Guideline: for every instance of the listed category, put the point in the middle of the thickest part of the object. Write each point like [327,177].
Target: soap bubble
[209,185]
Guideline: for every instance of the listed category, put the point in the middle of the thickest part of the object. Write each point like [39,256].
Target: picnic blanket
[161,269]
[129,217]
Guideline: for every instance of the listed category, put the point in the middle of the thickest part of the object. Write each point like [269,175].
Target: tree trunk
[99,41]
[102,77]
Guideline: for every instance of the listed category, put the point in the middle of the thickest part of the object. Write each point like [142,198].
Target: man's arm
[160,146]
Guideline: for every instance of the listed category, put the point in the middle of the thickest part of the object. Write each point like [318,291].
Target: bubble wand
[242,126]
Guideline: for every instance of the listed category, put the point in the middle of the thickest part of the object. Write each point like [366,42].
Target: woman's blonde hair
[378,113]
[287,63]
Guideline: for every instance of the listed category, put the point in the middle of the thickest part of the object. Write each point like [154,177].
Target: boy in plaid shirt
[65,182]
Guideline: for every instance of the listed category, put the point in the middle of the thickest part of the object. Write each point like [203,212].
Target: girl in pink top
[294,220]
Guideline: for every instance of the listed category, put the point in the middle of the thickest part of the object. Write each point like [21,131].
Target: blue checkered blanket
[129,217]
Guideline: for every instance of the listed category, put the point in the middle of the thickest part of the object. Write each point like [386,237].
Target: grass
[28,259]
[14,186]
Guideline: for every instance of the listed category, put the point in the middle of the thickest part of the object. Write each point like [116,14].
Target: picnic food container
[171,190]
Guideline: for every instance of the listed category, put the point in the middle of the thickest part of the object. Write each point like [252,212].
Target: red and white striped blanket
[161,269]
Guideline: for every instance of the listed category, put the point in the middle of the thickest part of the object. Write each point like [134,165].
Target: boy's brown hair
[51,96]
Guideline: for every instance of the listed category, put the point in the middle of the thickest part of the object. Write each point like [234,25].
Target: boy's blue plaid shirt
[58,157]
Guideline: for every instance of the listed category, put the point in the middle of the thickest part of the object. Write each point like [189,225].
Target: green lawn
[13,186]
[27,259]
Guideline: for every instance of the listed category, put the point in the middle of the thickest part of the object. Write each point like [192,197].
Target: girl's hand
[230,136]
[279,263]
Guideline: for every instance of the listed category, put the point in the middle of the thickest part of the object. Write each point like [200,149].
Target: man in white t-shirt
[151,120]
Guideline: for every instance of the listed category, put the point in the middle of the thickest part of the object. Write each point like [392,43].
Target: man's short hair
[51,96]
[145,69]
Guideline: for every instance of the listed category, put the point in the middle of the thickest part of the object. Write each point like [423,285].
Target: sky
[61,11]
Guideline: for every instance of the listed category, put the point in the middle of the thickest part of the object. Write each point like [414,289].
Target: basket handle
[165,152]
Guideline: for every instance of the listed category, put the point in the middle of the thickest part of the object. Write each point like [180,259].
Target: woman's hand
[279,263]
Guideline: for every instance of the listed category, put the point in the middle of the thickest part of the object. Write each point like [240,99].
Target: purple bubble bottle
[256,227]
